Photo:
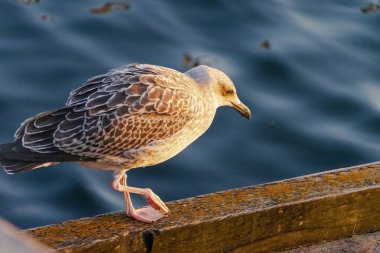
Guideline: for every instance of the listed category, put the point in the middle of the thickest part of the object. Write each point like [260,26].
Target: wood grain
[364,243]
[269,217]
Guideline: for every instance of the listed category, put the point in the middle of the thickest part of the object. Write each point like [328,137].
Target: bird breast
[161,150]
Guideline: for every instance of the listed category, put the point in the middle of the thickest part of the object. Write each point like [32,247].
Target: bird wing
[127,108]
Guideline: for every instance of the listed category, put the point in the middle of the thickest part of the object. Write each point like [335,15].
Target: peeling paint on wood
[269,217]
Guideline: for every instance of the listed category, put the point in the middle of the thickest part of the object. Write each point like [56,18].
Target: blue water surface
[314,94]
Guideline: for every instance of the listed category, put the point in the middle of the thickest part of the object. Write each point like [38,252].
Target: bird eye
[229,92]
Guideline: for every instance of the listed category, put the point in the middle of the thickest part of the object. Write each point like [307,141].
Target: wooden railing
[262,218]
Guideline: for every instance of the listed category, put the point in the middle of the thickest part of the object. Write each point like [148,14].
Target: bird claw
[145,214]
[155,211]
[155,202]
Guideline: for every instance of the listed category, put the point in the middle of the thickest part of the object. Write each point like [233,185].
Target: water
[314,93]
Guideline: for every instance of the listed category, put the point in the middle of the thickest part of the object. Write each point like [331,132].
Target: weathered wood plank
[368,243]
[261,218]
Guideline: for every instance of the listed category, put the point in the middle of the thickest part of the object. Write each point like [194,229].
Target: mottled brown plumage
[133,116]
[127,108]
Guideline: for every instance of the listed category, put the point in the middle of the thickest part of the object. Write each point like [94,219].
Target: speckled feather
[121,116]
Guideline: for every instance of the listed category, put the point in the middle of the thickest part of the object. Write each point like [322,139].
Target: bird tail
[34,144]
[18,166]
[12,165]
[14,158]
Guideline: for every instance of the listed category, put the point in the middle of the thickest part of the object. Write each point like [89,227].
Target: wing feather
[129,108]
[123,109]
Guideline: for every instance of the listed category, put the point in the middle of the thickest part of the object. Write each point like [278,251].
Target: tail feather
[14,158]
[17,166]
[16,151]
[34,144]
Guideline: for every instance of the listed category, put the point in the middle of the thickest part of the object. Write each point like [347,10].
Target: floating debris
[372,7]
[28,2]
[46,18]
[107,7]
[265,44]
[190,61]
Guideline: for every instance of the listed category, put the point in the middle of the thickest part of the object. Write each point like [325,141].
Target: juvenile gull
[134,116]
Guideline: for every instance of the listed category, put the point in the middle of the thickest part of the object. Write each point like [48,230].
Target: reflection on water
[314,94]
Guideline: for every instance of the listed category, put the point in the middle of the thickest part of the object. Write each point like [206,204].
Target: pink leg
[155,211]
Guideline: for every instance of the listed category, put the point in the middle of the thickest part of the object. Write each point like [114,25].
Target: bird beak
[242,109]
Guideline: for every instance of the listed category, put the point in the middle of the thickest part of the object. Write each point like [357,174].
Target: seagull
[133,116]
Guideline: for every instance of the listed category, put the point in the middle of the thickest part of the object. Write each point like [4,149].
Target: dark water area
[313,88]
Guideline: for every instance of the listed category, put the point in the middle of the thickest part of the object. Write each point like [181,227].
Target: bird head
[220,86]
